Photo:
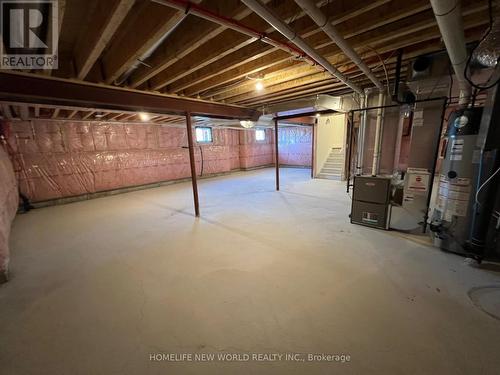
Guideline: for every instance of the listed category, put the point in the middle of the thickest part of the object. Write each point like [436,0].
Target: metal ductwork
[308,104]
[322,21]
[448,15]
[292,36]
[379,129]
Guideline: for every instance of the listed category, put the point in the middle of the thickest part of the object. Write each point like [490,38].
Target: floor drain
[487,299]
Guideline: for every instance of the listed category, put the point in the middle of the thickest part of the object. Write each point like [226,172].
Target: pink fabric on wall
[294,146]
[8,206]
[55,159]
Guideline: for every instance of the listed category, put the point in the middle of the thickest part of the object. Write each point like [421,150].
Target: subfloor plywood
[98,286]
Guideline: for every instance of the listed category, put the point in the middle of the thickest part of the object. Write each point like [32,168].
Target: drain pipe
[322,21]
[378,134]
[448,15]
[292,36]
[140,61]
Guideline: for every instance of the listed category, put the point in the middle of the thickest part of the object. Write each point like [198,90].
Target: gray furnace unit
[371,201]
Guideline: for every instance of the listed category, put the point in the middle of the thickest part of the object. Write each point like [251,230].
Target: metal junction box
[371,201]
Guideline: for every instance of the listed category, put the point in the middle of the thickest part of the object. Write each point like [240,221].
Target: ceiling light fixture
[259,86]
[247,124]
[144,116]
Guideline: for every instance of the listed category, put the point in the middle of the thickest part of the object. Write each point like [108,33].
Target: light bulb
[144,116]
[259,86]
[247,124]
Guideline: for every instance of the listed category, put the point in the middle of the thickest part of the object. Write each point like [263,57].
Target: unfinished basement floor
[100,285]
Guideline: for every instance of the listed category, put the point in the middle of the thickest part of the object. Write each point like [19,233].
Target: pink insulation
[294,146]
[55,159]
[8,206]
[255,153]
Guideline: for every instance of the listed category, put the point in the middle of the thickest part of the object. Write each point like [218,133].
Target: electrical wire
[450,72]
[486,85]
[385,68]
[484,184]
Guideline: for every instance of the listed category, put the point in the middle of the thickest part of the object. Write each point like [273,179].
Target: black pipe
[351,136]
[399,105]
[434,165]
[307,114]
[397,78]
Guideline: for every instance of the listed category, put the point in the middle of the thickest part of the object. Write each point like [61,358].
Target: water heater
[452,217]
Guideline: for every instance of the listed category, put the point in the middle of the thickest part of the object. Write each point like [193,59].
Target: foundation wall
[294,146]
[57,159]
[8,207]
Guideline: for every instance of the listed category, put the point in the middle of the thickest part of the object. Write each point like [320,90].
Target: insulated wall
[295,146]
[55,159]
[255,153]
[8,207]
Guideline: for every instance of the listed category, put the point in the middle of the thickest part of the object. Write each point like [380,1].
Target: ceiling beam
[106,17]
[32,88]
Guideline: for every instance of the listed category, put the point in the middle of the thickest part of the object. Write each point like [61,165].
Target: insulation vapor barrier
[294,146]
[55,159]
[8,208]
[255,153]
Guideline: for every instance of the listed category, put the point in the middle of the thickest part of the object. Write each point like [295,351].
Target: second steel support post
[192,162]
[312,149]
[276,151]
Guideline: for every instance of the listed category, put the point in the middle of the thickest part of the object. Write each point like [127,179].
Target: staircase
[334,165]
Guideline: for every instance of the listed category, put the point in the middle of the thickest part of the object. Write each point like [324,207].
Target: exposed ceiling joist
[106,18]
[145,26]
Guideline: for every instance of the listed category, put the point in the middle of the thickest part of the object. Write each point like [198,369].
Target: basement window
[260,135]
[203,134]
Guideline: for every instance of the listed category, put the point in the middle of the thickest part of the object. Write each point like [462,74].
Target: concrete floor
[98,286]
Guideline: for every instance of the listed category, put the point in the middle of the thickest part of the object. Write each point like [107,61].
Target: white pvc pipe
[292,36]
[399,139]
[361,136]
[448,15]
[378,135]
[322,21]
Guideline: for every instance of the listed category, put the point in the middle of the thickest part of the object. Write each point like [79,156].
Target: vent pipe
[361,137]
[292,36]
[379,129]
[448,15]
[322,21]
